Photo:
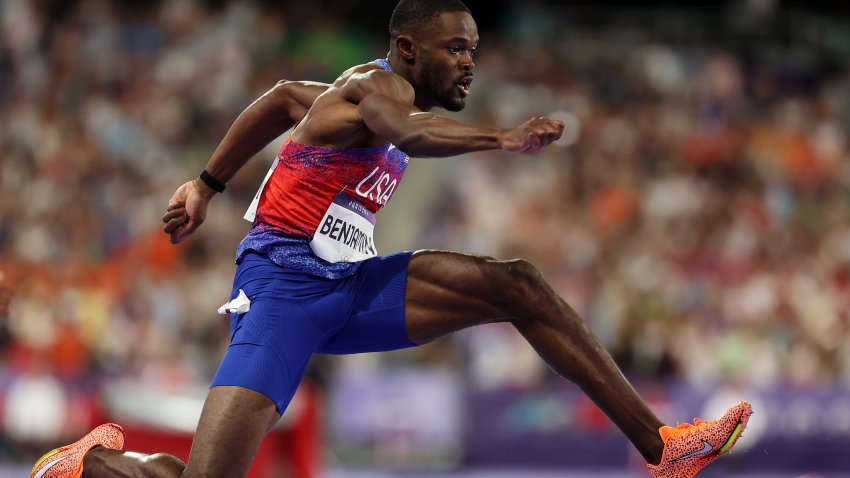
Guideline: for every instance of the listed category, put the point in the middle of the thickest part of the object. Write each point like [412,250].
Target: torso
[329,152]
[308,178]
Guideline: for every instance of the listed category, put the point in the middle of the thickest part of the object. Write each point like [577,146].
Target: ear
[406,47]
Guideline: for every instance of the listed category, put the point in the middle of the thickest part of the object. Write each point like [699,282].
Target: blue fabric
[294,314]
[291,251]
[383,63]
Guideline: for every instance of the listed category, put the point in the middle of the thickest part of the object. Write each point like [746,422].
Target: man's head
[435,40]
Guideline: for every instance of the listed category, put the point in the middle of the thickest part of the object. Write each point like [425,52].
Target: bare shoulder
[334,118]
[363,80]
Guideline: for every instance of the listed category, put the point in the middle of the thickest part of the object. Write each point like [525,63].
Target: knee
[522,282]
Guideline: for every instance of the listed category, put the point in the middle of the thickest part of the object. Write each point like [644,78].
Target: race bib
[345,233]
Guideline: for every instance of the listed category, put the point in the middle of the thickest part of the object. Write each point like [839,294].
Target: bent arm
[261,122]
[385,102]
[425,134]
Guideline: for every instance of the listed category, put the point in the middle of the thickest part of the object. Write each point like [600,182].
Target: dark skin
[446,291]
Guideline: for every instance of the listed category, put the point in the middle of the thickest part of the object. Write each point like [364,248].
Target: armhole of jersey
[251,212]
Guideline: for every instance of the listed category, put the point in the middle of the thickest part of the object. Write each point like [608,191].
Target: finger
[176,198]
[175,204]
[555,130]
[553,136]
[522,147]
[559,133]
[536,139]
[174,224]
[184,231]
[542,137]
[173,213]
[558,126]
[528,145]
[178,234]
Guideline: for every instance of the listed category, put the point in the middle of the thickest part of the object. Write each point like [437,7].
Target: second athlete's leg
[447,292]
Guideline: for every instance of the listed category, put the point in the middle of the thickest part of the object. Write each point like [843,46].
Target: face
[446,48]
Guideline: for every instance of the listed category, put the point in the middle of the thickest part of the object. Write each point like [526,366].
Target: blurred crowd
[697,215]
[695,212]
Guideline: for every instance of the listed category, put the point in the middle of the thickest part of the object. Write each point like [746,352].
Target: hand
[533,135]
[186,210]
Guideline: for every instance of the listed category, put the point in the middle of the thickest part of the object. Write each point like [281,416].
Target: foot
[67,462]
[689,448]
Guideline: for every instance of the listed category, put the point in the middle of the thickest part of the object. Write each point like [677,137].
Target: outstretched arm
[262,121]
[385,102]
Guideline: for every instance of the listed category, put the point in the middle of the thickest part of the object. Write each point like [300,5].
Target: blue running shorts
[294,314]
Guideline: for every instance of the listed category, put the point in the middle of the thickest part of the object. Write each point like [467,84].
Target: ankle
[92,460]
[653,449]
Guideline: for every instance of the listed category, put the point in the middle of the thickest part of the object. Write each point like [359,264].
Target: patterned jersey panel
[302,187]
[308,178]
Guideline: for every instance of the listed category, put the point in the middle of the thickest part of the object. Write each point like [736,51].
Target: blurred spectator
[698,208]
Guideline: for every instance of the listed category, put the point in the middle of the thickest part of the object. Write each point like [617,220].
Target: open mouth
[463,85]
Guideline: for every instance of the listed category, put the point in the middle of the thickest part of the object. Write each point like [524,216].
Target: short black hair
[412,14]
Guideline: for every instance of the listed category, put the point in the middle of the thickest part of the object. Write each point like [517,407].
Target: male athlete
[308,279]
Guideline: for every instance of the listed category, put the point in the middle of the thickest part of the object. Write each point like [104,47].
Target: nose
[466,62]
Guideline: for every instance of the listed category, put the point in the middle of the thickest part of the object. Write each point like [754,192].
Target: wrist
[203,189]
[211,181]
[502,137]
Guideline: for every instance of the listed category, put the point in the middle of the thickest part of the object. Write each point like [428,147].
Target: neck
[401,68]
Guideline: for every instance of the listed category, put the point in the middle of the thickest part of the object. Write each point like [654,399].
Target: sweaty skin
[368,106]
[445,291]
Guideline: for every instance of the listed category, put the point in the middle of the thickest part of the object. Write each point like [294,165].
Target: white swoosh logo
[705,449]
[47,467]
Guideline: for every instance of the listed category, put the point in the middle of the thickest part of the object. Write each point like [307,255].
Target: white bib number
[346,232]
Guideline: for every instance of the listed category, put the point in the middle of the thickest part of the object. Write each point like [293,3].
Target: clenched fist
[533,135]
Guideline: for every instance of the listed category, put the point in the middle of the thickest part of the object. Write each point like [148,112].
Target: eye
[454,50]
[472,51]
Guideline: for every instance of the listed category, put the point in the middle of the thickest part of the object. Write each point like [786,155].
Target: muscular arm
[386,105]
[262,121]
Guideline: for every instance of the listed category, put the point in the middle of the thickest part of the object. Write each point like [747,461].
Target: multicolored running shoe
[67,461]
[689,448]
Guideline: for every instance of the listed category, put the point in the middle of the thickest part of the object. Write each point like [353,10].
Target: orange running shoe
[67,462]
[689,448]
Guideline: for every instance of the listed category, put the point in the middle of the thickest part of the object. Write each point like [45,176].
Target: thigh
[449,291]
[375,321]
[232,425]
[273,341]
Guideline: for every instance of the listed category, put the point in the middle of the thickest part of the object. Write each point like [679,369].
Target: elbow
[403,141]
[281,95]
[396,131]
[282,89]
[410,142]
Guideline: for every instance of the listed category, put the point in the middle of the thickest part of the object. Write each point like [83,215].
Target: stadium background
[696,213]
